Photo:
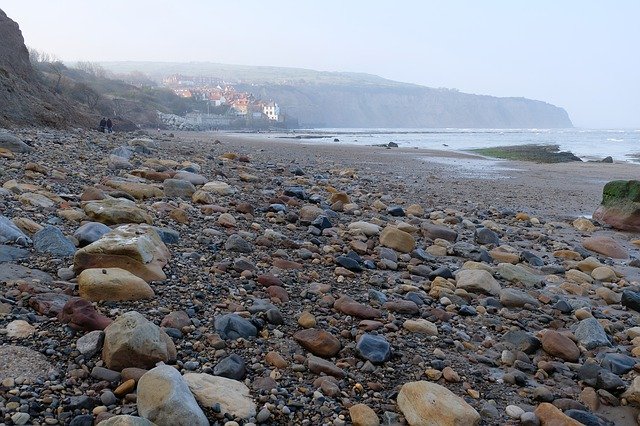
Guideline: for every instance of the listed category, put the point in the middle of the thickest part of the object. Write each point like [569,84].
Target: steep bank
[24,100]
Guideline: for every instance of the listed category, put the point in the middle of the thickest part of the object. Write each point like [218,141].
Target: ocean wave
[615,140]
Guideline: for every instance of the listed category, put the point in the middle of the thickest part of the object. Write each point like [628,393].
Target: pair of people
[106,125]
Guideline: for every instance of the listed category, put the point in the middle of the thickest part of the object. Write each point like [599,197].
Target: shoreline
[557,190]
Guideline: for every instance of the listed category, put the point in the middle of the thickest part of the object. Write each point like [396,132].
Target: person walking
[103,124]
[109,126]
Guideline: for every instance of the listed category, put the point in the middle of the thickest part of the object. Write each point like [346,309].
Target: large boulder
[112,284]
[135,248]
[620,206]
[133,341]
[165,399]
[232,396]
[12,143]
[424,403]
[114,211]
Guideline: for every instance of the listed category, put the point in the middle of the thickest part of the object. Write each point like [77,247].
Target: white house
[271,110]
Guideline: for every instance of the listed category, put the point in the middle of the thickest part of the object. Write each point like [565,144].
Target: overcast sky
[580,55]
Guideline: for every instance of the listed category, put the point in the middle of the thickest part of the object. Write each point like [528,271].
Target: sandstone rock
[165,399]
[20,361]
[477,281]
[435,232]
[19,329]
[348,306]
[36,200]
[233,396]
[219,188]
[424,403]
[560,346]
[177,188]
[604,273]
[549,415]
[135,248]
[137,190]
[114,211]
[133,341]
[112,284]
[421,326]
[396,239]
[80,314]
[368,229]
[584,225]
[363,415]
[606,246]
[632,394]
[318,342]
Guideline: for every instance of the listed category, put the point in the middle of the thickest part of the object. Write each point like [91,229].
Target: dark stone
[296,171]
[277,208]
[631,300]
[102,373]
[442,272]
[274,316]
[348,263]
[396,211]
[168,235]
[421,271]
[618,363]
[90,232]
[522,341]
[588,419]
[236,243]
[321,222]
[296,192]
[233,326]
[82,420]
[422,255]
[486,236]
[231,367]
[531,258]
[374,348]
[563,306]
[435,231]
[608,160]
[51,240]
[608,381]
[79,403]
[377,296]
[467,311]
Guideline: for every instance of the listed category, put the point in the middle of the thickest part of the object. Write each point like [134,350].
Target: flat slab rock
[20,361]
[10,272]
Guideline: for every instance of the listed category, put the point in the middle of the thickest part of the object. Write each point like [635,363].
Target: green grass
[533,153]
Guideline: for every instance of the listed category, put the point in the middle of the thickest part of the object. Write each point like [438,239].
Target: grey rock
[193,178]
[522,341]
[168,235]
[618,363]
[236,243]
[233,326]
[51,240]
[12,143]
[486,236]
[125,420]
[165,399]
[231,367]
[374,348]
[10,253]
[511,297]
[102,373]
[10,233]
[591,334]
[89,344]
[90,232]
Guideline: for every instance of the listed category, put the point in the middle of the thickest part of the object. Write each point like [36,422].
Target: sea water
[621,144]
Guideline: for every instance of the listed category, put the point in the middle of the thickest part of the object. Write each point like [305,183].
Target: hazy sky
[580,55]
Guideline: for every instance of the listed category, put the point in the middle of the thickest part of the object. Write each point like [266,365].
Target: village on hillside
[221,106]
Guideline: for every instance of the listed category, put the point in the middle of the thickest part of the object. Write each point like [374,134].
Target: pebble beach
[206,278]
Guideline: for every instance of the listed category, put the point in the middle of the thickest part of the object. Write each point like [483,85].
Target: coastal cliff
[335,99]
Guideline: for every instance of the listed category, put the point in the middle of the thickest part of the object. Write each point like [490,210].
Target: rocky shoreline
[282,285]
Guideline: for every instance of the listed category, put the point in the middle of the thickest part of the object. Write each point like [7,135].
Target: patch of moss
[618,191]
[532,152]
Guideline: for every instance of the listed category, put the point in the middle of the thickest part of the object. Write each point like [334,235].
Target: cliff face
[408,106]
[24,100]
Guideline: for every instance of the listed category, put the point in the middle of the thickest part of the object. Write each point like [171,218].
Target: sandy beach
[448,178]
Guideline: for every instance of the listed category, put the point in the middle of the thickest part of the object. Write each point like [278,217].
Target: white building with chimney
[271,110]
